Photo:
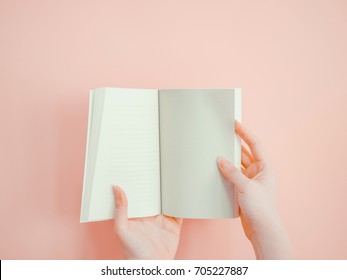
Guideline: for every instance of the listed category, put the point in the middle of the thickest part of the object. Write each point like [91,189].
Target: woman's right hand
[256,191]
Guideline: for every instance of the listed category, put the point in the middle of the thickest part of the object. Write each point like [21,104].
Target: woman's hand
[145,238]
[256,190]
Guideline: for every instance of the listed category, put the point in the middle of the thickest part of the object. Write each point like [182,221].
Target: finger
[251,140]
[232,174]
[121,207]
[246,157]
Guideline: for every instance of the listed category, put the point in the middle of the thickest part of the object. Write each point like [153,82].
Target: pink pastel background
[289,57]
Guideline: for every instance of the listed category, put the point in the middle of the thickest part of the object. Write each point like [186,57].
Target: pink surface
[290,58]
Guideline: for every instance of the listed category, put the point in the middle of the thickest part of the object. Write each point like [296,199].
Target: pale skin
[147,238]
[157,237]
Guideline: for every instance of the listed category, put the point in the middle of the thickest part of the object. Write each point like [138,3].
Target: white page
[127,153]
[197,126]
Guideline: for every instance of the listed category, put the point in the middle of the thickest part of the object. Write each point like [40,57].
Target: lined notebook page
[127,154]
[197,126]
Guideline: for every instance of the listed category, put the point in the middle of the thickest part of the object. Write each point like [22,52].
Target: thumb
[121,207]
[232,174]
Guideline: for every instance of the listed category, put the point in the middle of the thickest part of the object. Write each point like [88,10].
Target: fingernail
[118,196]
[115,189]
[222,162]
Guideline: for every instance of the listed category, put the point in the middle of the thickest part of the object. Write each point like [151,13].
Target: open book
[161,147]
